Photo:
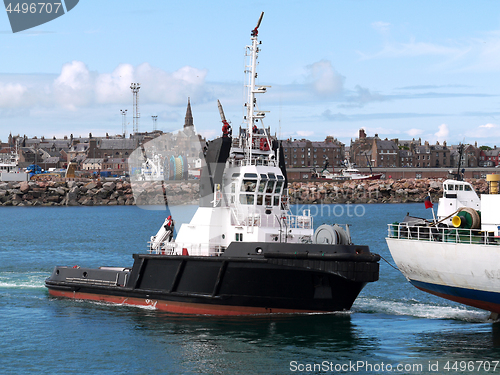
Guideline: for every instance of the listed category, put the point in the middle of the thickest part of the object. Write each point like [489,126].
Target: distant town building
[308,154]
[93,164]
[112,152]
[489,158]
[401,153]
[385,153]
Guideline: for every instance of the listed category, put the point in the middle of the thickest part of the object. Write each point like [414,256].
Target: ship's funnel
[493,180]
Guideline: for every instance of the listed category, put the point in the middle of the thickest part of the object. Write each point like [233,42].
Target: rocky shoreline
[97,193]
[65,193]
[377,191]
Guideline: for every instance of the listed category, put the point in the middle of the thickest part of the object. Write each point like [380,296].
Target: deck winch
[467,218]
[332,235]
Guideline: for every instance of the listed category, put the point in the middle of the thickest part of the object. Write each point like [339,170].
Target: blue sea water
[392,328]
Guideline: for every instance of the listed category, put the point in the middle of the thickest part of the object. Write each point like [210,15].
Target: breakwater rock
[97,193]
[147,193]
[375,191]
[66,193]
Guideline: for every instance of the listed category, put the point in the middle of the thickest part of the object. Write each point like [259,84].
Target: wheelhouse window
[270,187]
[269,200]
[262,186]
[249,185]
[246,199]
[260,199]
[277,189]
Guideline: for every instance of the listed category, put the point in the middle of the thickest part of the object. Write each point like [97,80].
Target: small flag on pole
[428,203]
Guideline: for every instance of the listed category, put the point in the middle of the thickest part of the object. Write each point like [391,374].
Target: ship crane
[226,128]
[255,31]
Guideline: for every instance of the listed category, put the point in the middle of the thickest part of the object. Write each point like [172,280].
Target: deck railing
[441,234]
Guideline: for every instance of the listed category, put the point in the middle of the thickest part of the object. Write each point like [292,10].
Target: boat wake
[418,309]
[22,280]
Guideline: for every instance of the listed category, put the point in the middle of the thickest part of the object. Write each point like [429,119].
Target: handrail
[441,234]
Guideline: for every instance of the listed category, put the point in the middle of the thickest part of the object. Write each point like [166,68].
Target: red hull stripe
[176,307]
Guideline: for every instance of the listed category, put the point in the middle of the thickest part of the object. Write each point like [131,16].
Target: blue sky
[401,69]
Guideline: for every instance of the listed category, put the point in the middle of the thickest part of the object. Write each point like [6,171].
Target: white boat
[9,168]
[346,174]
[455,256]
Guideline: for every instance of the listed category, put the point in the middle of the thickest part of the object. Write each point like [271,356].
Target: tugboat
[454,256]
[243,252]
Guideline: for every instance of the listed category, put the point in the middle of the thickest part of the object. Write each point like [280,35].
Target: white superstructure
[456,194]
[250,204]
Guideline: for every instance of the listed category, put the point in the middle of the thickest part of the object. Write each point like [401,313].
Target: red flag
[427,202]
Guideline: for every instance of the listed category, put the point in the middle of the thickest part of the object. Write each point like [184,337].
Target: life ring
[264,144]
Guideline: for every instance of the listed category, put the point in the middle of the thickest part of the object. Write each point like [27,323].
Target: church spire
[188,120]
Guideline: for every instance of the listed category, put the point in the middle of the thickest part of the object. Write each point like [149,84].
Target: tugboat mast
[251,70]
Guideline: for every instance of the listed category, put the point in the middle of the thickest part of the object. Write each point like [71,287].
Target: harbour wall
[97,193]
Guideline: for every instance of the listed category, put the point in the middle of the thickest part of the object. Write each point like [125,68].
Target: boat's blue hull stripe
[469,294]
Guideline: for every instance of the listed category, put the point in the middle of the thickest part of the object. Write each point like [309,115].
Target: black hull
[282,280]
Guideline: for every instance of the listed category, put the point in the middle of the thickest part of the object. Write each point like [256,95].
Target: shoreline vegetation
[97,193]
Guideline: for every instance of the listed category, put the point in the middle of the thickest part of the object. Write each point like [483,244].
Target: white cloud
[413,49]
[159,86]
[305,133]
[112,87]
[363,96]
[414,132]
[382,27]
[484,53]
[12,95]
[489,131]
[74,86]
[78,87]
[488,126]
[442,133]
[479,54]
[324,79]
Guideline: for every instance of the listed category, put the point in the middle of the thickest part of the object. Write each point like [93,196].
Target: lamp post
[124,123]
[135,91]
